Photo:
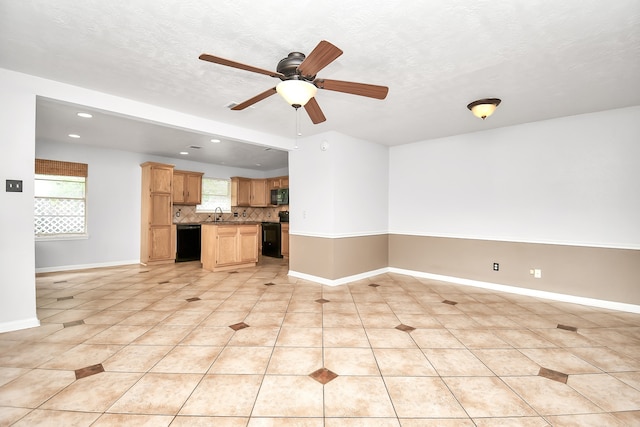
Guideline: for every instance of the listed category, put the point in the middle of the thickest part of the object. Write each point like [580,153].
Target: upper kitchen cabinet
[157,242]
[259,193]
[187,188]
[240,191]
[278,182]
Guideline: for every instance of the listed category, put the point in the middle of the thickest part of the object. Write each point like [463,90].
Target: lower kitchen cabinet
[284,243]
[229,246]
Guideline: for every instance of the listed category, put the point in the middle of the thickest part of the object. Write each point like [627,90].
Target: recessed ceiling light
[84,115]
[73,135]
[258,164]
[215,141]
[184,153]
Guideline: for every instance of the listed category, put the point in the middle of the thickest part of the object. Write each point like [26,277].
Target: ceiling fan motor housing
[289,67]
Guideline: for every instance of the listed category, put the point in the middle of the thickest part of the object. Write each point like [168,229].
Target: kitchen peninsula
[229,245]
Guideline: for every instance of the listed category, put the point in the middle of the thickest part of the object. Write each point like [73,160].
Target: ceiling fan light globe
[296,92]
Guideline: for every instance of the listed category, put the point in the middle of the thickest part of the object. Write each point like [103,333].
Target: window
[215,193]
[60,199]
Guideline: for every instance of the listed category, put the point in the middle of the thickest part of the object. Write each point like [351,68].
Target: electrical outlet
[496,266]
[14,186]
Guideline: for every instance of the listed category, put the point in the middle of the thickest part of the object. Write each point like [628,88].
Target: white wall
[17,281]
[113,205]
[573,180]
[341,191]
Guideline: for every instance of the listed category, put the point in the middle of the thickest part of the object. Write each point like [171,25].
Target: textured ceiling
[544,59]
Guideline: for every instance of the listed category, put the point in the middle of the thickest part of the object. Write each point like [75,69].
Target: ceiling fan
[299,83]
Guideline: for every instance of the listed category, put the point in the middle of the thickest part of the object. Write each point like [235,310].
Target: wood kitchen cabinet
[255,192]
[259,196]
[157,235]
[187,188]
[284,240]
[229,246]
[240,191]
[278,182]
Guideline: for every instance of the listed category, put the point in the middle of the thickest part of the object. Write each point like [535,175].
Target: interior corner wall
[17,138]
[338,206]
[560,196]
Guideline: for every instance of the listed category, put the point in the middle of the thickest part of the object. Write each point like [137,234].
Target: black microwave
[280,196]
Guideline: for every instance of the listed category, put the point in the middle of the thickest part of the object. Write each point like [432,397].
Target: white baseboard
[16,325]
[592,302]
[337,282]
[85,266]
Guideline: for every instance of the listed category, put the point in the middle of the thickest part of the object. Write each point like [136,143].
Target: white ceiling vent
[195,147]
[231,104]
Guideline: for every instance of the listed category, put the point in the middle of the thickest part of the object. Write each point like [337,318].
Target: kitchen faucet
[217,217]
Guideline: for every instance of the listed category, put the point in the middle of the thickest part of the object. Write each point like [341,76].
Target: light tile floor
[177,345]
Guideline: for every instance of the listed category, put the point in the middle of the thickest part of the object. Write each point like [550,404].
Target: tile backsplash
[186,214]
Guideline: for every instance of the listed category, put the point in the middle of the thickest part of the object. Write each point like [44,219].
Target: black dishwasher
[188,242]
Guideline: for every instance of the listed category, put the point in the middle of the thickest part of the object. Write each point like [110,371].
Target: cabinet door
[248,242]
[161,178]
[193,189]
[284,248]
[240,191]
[284,182]
[160,238]
[273,183]
[178,187]
[226,245]
[160,212]
[258,192]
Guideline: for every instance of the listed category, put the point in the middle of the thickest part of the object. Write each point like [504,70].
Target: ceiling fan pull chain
[297,127]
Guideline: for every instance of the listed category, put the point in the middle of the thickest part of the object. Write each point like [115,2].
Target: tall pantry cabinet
[157,242]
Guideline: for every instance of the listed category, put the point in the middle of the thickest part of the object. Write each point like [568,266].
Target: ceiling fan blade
[321,56]
[249,102]
[234,64]
[362,89]
[314,111]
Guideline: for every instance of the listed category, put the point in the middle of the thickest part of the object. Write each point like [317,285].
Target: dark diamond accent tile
[162,283]
[553,375]
[449,302]
[65,298]
[405,328]
[323,375]
[193,299]
[60,281]
[74,323]
[270,284]
[238,326]
[233,272]
[140,272]
[374,285]
[88,371]
[568,328]
[322,301]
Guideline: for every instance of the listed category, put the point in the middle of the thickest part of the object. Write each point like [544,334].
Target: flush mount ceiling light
[483,108]
[84,115]
[74,135]
[296,92]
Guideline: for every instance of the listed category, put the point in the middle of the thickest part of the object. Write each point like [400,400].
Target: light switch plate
[14,186]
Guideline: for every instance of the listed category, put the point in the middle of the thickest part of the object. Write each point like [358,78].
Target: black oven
[271,235]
